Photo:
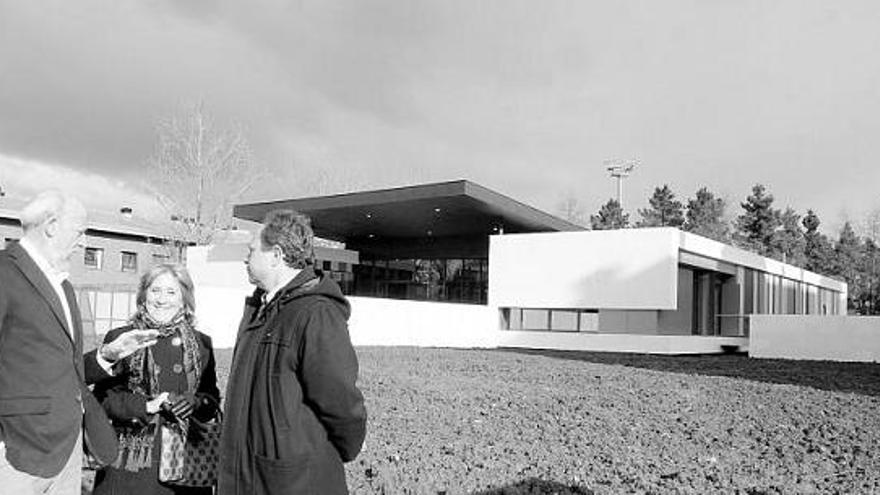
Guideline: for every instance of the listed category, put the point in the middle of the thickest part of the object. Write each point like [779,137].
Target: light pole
[620,169]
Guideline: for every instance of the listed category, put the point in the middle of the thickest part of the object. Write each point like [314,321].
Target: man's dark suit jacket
[43,397]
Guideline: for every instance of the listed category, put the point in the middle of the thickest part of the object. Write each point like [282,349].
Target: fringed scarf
[136,442]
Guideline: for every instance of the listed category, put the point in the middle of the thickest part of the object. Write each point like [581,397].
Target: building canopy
[448,218]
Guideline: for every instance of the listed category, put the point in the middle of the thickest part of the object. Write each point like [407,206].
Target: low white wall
[377,321]
[373,321]
[390,322]
[833,338]
[652,344]
[218,312]
[221,283]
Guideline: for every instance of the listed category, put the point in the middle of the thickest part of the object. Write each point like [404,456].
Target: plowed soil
[448,421]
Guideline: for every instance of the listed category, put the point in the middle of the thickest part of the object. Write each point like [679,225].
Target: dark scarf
[136,443]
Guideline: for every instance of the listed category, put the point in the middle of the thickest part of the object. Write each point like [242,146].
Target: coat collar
[29,269]
[255,315]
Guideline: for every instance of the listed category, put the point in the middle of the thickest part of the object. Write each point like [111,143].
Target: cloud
[23,178]
[525,98]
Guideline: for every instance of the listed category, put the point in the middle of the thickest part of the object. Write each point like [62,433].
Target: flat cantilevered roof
[460,209]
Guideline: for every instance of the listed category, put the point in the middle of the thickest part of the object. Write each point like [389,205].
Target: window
[129,261]
[553,320]
[102,310]
[159,259]
[93,258]
[327,266]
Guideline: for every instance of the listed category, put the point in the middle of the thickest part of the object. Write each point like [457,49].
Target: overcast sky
[528,98]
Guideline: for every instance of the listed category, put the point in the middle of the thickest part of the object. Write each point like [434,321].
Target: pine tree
[818,250]
[610,217]
[870,262]
[665,210]
[755,227]
[705,216]
[869,277]
[787,243]
[848,251]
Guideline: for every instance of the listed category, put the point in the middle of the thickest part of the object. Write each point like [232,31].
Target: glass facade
[442,280]
[773,294]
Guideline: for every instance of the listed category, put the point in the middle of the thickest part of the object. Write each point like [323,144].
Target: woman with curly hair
[165,384]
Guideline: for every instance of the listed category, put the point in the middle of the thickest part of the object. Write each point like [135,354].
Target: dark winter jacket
[293,412]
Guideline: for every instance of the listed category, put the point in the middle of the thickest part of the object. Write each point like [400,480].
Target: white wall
[218,312]
[221,286]
[654,344]
[619,269]
[377,321]
[833,338]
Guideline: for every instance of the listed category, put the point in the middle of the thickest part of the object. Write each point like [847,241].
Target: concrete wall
[654,344]
[620,269]
[833,338]
[222,284]
[377,321]
[415,323]
[373,321]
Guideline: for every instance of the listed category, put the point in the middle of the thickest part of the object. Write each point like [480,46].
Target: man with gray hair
[46,410]
[293,412]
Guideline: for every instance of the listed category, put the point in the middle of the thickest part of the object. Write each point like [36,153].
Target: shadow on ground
[535,486]
[857,378]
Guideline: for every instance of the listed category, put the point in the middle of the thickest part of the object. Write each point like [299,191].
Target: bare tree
[198,171]
[571,209]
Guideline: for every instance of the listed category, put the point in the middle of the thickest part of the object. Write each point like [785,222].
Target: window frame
[99,258]
[123,266]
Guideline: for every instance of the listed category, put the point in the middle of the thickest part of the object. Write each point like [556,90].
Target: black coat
[293,412]
[125,407]
[44,402]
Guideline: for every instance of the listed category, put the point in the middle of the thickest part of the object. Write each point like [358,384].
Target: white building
[458,265]
[644,290]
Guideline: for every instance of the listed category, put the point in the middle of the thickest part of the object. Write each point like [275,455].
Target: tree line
[762,228]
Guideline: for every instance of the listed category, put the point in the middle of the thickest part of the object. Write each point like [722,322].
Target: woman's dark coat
[125,407]
[293,413]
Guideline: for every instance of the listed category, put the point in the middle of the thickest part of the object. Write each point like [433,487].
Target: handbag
[190,456]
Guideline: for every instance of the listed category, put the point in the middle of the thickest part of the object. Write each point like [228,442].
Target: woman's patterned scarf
[136,442]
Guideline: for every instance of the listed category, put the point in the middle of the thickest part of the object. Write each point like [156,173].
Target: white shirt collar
[53,274]
[56,279]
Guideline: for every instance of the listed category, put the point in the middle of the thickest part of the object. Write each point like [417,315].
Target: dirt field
[531,422]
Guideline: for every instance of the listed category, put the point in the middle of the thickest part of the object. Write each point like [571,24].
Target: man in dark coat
[293,412]
[46,411]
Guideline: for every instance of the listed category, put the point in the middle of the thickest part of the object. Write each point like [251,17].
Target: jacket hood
[310,282]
